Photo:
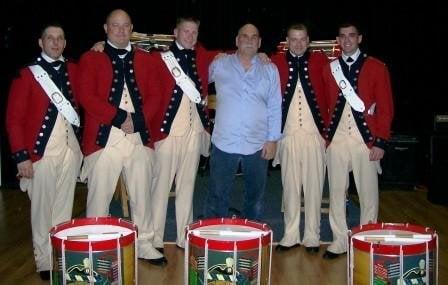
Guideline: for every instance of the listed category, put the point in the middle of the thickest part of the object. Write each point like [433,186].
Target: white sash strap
[346,88]
[55,95]
[182,80]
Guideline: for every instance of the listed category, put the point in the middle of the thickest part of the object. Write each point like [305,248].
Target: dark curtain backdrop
[407,37]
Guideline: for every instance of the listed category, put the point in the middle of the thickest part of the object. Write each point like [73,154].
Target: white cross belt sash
[182,80]
[346,88]
[55,95]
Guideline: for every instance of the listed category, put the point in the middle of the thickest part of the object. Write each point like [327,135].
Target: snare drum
[397,254]
[94,251]
[228,251]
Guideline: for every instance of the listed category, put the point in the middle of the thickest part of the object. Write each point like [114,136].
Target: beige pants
[302,158]
[106,165]
[177,157]
[343,156]
[51,192]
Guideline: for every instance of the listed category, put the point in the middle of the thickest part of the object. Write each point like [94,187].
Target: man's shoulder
[278,57]
[91,55]
[374,62]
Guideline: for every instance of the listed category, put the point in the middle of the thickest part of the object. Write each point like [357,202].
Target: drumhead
[227,233]
[88,233]
[99,233]
[386,238]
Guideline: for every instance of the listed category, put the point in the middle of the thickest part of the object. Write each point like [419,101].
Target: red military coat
[203,58]
[374,89]
[30,115]
[311,66]
[100,99]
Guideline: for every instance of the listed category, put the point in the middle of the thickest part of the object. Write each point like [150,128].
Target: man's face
[349,40]
[52,42]
[248,40]
[297,41]
[186,34]
[118,29]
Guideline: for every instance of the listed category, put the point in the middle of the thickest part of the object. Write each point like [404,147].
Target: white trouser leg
[313,171]
[175,156]
[366,179]
[51,192]
[292,184]
[338,166]
[102,181]
[165,169]
[185,182]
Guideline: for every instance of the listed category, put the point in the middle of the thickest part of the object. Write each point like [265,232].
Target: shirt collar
[49,59]
[180,47]
[128,47]
[353,56]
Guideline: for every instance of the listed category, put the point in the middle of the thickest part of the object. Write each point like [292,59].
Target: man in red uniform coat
[118,90]
[180,131]
[43,139]
[359,128]
[301,151]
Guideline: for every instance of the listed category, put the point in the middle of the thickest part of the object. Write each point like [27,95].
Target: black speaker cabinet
[438,190]
[400,163]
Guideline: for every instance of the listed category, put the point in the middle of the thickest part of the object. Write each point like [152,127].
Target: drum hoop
[417,248]
[222,245]
[76,245]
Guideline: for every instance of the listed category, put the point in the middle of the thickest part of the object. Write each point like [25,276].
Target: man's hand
[25,169]
[264,58]
[128,126]
[268,151]
[99,46]
[376,153]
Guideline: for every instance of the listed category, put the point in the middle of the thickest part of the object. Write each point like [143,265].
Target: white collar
[49,59]
[128,47]
[295,55]
[354,56]
[181,47]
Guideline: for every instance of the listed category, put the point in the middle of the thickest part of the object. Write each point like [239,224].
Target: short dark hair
[181,20]
[350,24]
[297,26]
[50,25]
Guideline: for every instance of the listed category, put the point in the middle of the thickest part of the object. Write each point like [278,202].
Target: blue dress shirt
[248,104]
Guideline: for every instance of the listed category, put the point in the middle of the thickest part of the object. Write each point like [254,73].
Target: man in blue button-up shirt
[247,124]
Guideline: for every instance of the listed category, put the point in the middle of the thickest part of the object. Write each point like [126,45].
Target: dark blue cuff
[21,155]
[381,143]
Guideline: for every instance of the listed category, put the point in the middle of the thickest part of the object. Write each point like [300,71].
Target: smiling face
[349,39]
[118,28]
[186,33]
[297,41]
[248,40]
[52,42]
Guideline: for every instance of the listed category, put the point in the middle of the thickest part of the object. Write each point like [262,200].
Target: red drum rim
[76,245]
[416,248]
[221,245]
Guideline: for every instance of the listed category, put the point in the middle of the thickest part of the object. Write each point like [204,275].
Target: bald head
[118,28]
[248,28]
[248,40]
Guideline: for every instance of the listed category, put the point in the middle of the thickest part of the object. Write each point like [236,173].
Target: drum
[228,251]
[94,251]
[397,254]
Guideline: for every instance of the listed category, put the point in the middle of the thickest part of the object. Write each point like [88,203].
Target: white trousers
[177,159]
[51,192]
[302,159]
[344,156]
[136,163]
